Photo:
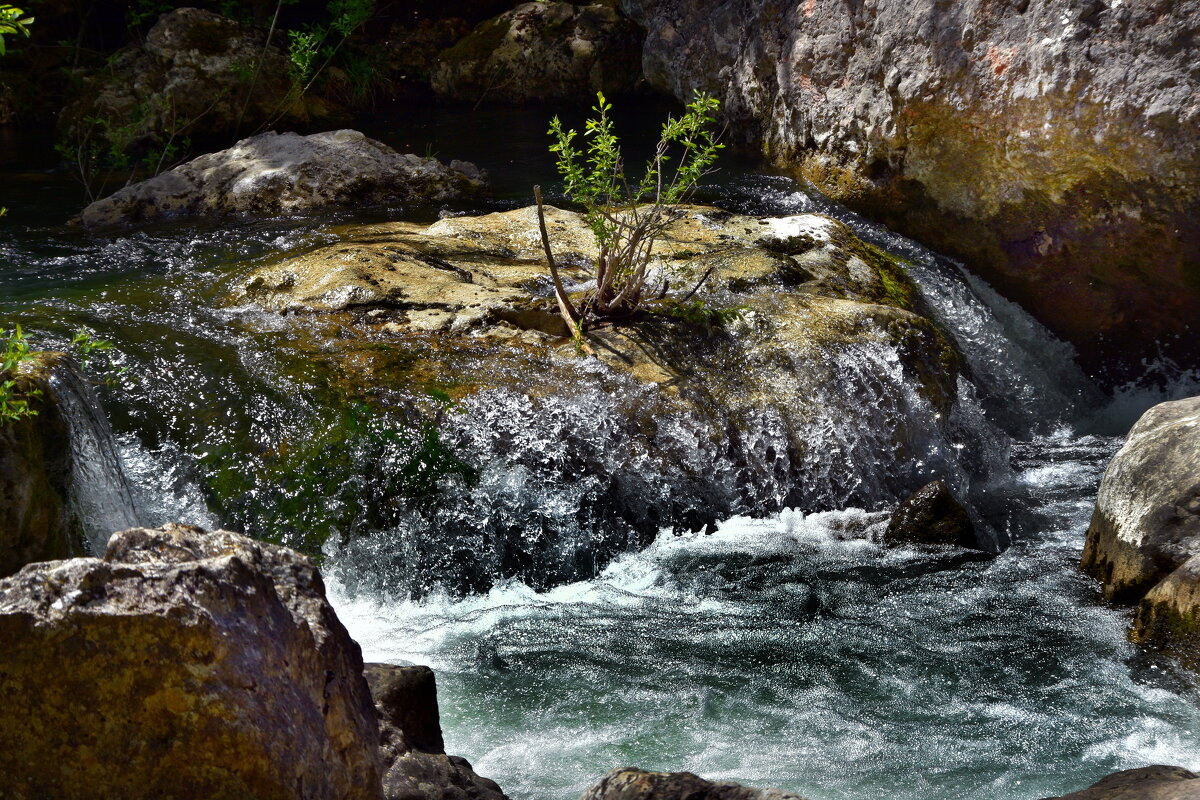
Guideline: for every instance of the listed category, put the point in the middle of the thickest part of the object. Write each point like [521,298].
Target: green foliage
[697,312]
[14,401]
[303,48]
[13,22]
[628,218]
[316,488]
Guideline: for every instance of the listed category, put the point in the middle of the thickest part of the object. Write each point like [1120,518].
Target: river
[786,650]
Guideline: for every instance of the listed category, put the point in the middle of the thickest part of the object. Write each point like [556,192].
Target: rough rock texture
[1049,143]
[1168,617]
[543,51]
[931,516]
[415,763]
[637,784]
[286,173]
[1147,783]
[35,473]
[194,74]
[181,664]
[1147,518]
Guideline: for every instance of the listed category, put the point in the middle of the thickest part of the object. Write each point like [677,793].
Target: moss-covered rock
[36,473]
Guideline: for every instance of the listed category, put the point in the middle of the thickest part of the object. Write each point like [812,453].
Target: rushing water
[789,650]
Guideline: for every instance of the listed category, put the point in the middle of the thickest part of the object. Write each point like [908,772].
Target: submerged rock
[996,132]
[637,784]
[415,763]
[272,174]
[931,515]
[543,51]
[1146,783]
[196,72]
[1147,518]
[183,664]
[36,473]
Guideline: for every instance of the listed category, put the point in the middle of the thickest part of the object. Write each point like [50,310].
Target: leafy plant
[627,218]
[85,345]
[13,22]
[14,401]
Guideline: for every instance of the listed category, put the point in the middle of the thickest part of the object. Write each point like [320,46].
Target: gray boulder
[415,763]
[1050,144]
[1147,783]
[181,664]
[931,516]
[543,51]
[274,173]
[1147,518]
[630,783]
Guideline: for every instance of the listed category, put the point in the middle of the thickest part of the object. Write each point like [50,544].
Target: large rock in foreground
[1050,144]
[186,665]
[1147,783]
[637,784]
[272,174]
[543,51]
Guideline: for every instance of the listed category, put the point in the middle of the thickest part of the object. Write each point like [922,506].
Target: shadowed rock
[931,516]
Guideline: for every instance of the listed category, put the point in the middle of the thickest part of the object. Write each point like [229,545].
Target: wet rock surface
[415,763]
[272,174]
[1143,543]
[36,473]
[183,664]
[1146,783]
[637,784]
[543,51]
[996,132]
[931,516]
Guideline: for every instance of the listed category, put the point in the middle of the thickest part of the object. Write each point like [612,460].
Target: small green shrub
[627,218]
[14,401]
[13,22]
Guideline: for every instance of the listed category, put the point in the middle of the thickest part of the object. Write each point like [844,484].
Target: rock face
[182,664]
[931,516]
[1147,783]
[196,72]
[35,474]
[1050,144]
[272,174]
[543,51]
[637,784]
[415,763]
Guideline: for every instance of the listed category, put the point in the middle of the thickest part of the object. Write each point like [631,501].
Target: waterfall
[100,496]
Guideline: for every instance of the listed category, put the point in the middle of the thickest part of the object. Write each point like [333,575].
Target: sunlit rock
[182,664]
[1146,783]
[931,515]
[273,174]
[1051,145]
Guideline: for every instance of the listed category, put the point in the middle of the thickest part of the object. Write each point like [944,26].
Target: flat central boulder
[182,664]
